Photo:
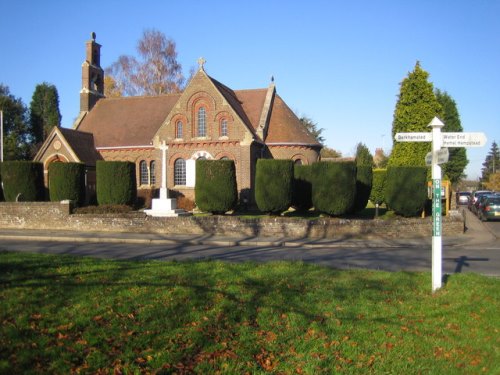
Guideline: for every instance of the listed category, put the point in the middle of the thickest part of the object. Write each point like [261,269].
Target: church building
[207,120]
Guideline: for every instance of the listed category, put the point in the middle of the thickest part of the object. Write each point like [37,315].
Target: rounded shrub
[377,195]
[67,181]
[302,187]
[273,185]
[215,189]
[23,181]
[406,190]
[115,182]
[364,180]
[334,187]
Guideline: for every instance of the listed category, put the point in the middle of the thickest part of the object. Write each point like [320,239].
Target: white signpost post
[438,156]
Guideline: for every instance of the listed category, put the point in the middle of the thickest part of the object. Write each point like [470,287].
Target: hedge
[23,181]
[115,182]
[334,187]
[215,188]
[364,181]
[406,190]
[67,181]
[302,187]
[377,195]
[273,185]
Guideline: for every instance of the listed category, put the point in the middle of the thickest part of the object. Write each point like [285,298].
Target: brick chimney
[92,76]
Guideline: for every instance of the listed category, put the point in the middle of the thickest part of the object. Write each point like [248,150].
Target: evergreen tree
[491,163]
[16,135]
[416,107]
[457,162]
[312,128]
[44,111]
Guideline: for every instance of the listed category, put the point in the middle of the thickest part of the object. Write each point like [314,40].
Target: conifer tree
[16,135]
[491,163]
[44,111]
[416,107]
[457,161]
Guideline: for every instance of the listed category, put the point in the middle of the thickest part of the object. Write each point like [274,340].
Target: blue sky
[338,62]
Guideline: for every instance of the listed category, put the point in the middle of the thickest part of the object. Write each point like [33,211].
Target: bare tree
[156,72]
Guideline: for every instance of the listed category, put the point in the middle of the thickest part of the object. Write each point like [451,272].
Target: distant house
[208,120]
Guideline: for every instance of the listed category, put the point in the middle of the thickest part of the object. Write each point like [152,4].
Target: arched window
[202,125]
[223,128]
[143,172]
[180,172]
[178,129]
[152,173]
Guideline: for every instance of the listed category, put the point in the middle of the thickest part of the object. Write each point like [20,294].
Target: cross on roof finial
[201,62]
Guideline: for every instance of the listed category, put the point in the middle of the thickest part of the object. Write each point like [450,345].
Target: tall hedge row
[23,180]
[116,182]
[273,185]
[302,187]
[215,188]
[406,190]
[334,187]
[67,181]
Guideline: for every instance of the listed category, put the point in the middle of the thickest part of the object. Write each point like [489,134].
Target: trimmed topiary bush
[67,181]
[215,189]
[377,195]
[23,181]
[115,182]
[273,185]
[302,187]
[406,190]
[334,187]
[364,177]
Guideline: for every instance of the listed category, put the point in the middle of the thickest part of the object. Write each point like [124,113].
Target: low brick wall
[57,216]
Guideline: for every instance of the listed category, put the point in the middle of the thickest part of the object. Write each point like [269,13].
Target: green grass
[62,315]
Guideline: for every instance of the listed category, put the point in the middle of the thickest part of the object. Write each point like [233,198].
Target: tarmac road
[478,250]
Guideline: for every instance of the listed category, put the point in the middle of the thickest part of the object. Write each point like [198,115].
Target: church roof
[133,121]
[82,144]
[127,121]
[285,127]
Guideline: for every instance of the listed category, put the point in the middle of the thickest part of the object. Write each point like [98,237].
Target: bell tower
[92,76]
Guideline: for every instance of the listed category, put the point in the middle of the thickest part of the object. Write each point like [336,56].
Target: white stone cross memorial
[164,206]
[438,156]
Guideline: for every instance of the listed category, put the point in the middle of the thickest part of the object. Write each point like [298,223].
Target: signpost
[438,156]
[441,157]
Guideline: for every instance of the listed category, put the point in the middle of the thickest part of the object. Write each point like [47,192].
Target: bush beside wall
[377,195]
[364,180]
[215,189]
[334,187]
[273,185]
[67,181]
[302,187]
[406,190]
[116,182]
[23,181]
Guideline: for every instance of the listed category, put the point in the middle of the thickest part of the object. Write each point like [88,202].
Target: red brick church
[207,120]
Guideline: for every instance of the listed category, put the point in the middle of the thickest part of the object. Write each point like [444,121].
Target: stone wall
[57,216]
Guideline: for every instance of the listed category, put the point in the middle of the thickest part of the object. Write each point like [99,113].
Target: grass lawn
[62,315]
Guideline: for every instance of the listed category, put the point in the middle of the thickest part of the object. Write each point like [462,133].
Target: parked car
[476,208]
[490,208]
[463,198]
[474,197]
